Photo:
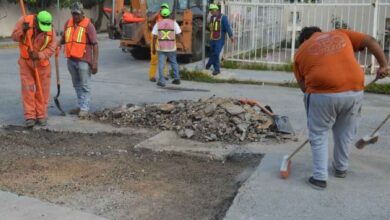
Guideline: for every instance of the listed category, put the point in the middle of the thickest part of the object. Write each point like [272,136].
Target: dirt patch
[104,175]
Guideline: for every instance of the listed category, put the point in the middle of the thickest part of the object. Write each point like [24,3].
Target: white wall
[11,14]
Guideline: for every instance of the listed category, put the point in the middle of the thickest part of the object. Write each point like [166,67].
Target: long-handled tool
[36,73]
[372,138]
[285,167]
[282,123]
[56,101]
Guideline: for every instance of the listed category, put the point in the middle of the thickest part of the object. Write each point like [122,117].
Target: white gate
[266,30]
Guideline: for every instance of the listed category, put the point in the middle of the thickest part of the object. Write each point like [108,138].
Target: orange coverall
[34,108]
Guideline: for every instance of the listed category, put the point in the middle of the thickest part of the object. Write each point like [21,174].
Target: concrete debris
[211,119]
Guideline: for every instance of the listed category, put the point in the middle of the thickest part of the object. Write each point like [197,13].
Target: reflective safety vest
[215,27]
[76,38]
[166,35]
[23,45]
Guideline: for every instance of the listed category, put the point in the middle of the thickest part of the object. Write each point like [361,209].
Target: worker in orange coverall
[39,29]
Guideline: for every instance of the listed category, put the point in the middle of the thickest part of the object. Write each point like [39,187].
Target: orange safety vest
[76,38]
[215,27]
[23,45]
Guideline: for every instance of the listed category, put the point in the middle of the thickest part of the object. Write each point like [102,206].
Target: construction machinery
[131,22]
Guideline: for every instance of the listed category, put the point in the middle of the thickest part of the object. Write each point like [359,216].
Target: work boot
[216,73]
[316,184]
[208,66]
[176,81]
[30,123]
[152,79]
[42,121]
[160,84]
[74,111]
[83,115]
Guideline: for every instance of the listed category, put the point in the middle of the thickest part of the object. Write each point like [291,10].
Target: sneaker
[216,73]
[74,111]
[340,173]
[30,123]
[160,84]
[176,81]
[152,80]
[83,114]
[208,66]
[316,184]
[42,121]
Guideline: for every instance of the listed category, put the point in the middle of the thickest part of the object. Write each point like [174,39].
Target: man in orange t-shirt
[333,82]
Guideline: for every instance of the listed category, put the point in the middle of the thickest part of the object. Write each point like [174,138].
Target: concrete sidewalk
[263,75]
[15,207]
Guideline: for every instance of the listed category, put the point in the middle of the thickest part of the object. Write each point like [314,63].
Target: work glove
[26,26]
[33,55]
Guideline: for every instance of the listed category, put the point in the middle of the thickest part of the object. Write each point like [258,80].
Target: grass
[201,76]
[256,66]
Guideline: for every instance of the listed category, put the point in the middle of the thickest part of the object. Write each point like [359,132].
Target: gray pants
[339,112]
[81,76]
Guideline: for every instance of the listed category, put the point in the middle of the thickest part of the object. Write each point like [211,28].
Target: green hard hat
[44,21]
[165,12]
[213,7]
[164,5]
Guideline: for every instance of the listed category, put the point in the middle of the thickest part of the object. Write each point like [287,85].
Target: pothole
[103,174]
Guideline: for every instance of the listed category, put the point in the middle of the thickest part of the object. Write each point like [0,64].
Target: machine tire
[140,53]
[197,40]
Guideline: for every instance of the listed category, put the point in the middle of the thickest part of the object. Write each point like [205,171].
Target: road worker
[153,57]
[39,29]
[333,82]
[82,51]
[219,26]
[165,33]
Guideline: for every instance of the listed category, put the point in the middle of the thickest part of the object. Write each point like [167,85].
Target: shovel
[371,139]
[282,123]
[56,101]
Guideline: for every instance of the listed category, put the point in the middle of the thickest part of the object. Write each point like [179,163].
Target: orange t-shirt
[327,64]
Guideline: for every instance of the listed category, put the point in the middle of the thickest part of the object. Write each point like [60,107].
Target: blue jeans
[216,47]
[81,76]
[161,62]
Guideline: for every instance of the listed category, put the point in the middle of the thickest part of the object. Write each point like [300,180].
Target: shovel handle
[29,43]
[380,126]
[254,102]
[57,69]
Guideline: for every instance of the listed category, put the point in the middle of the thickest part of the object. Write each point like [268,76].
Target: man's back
[327,63]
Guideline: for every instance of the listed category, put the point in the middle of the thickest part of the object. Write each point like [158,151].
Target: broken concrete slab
[169,141]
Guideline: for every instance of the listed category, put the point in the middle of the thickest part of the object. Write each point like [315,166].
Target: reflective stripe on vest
[76,38]
[215,27]
[23,45]
[166,35]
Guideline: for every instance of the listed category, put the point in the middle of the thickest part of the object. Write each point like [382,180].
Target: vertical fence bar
[294,27]
[374,32]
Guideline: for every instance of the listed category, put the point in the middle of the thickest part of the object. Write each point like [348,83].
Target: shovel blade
[59,106]
[283,124]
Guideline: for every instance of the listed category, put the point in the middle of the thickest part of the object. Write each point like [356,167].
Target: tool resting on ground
[282,123]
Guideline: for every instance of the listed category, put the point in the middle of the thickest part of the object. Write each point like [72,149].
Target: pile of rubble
[212,119]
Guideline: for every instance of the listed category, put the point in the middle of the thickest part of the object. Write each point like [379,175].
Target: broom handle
[299,148]
[380,126]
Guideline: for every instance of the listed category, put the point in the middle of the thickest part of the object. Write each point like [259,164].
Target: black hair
[307,32]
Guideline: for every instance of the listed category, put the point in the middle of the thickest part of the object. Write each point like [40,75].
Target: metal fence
[266,30]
